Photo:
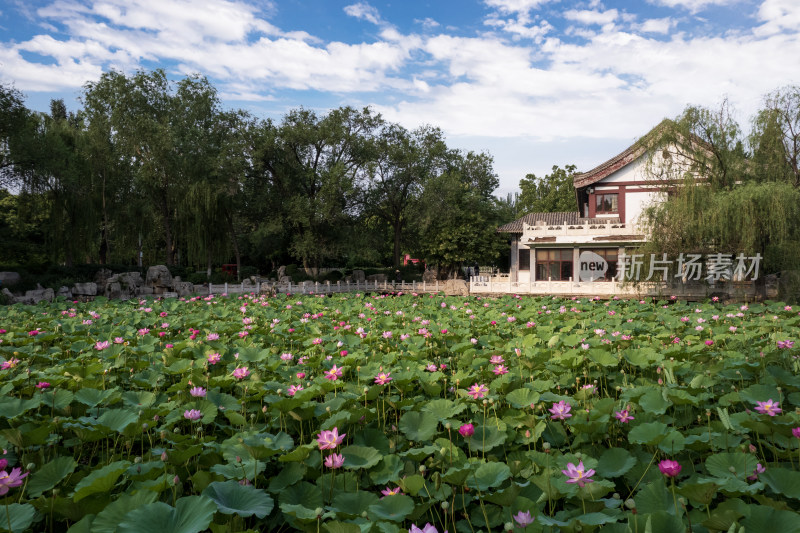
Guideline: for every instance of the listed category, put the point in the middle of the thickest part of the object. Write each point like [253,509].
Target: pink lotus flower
[317,341]
[301,375]
[391,492]
[496,359]
[560,410]
[213,358]
[294,389]
[329,440]
[240,372]
[42,385]
[758,470]
[785,344]
[198,392]
[466,430]
[11,479]
[333,374]
[669,468]
[192,414]
[429,528]
[212,337]
[118,340]
[578,474]
[431,368]
[33,333]
[623,416]
[143,331]
[334,460]
[523,519]
[11,363]
[796,432]
[101,345]
[383,378]
[709,342]
[478,391]
[769,408]
[500,370]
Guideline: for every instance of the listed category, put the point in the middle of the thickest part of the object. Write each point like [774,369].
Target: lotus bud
[318,511]
[176,480]
[448,426]
[545,446]
[30,466]
[422,468]
[616,496]
[164,456]
[630,504]
[445,505]
[508,526]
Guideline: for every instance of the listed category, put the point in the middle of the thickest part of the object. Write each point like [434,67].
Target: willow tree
[727,192]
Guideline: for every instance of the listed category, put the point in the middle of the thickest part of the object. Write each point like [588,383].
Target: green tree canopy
[553,193]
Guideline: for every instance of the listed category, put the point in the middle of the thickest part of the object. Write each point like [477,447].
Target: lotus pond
[386,413]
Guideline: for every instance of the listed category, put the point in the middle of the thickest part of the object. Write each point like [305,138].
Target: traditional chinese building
[579,252]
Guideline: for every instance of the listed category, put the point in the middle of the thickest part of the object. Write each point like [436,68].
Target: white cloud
[427,23]
[364,11]
[779,15]
[592,17]
[694,6]
[515,6]
[662,25]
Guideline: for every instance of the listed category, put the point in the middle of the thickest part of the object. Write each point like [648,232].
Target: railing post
[226,287]
[316,286]
[424,285]
[437,285]
[339,285]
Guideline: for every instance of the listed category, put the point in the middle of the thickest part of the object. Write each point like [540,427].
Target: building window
[555,265]
[610,255]
[524,259]
[606,204]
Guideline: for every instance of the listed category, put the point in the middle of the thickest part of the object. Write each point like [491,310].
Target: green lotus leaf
[443,409]
[522,398]
[764,518]
[341,527]
[487,437]
[20,515]
[388,470]
[108,520]
[782,481]
[394,508]
[648,433]
[731,465]
[360,457]
[242,500]
[101,480]
[489,475]
[291,474]
[50,475]
[615,462]
[93,397]
[191,514]
[118,419]
[419,426]
[353,503]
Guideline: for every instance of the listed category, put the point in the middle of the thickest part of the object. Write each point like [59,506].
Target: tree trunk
[236,251]
[103,252]
[397,234]
[167,231]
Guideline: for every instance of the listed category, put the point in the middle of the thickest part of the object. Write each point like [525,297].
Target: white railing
[579,229]
[327,287]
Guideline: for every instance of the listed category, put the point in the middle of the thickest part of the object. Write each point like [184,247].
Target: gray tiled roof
[552,219]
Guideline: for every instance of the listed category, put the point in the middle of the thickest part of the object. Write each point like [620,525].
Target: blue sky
[536,83]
